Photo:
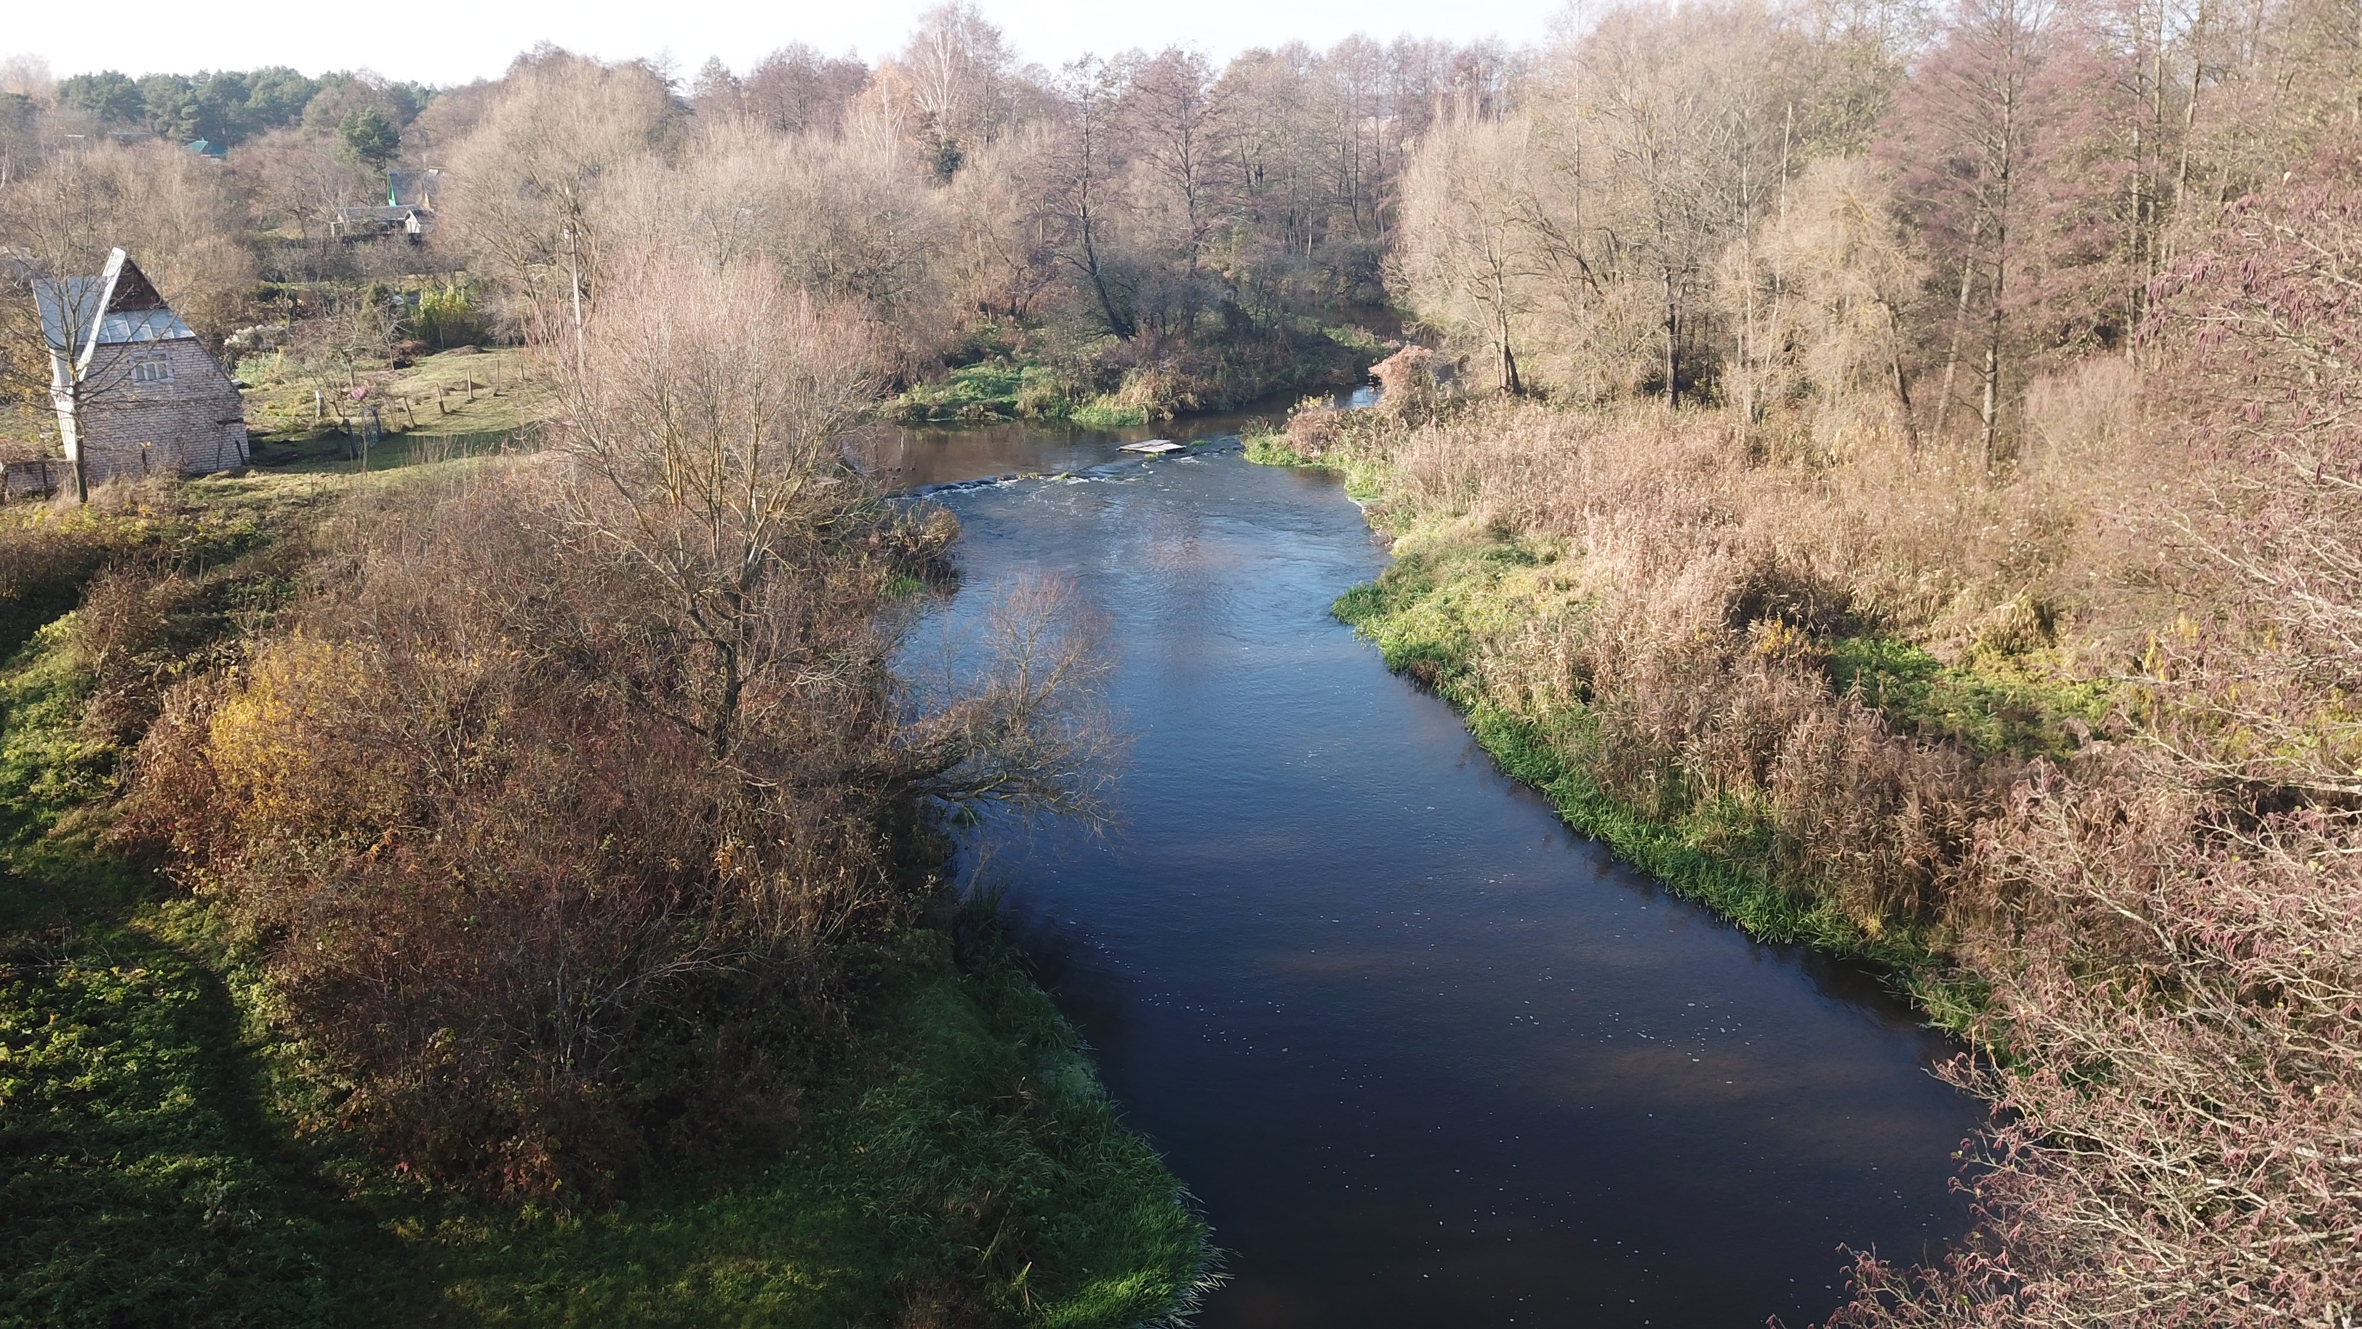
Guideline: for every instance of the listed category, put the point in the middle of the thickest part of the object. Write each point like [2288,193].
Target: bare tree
[797,90]
[1169,118]
[1471,253]
[1669,108]
[1962,141]
[1013,714]
[1819,296]
[1002,259]
[958,67]
[528,181]
[702,423]
[1077,184]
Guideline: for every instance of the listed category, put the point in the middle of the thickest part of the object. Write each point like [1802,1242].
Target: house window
[152,367]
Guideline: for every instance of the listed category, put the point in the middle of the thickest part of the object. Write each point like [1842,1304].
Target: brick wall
[192,425]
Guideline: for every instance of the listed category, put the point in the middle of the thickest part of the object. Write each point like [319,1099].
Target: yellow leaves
[265,740]
[1779,643]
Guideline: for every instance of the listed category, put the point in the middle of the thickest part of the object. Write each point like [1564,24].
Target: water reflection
[1426,1057]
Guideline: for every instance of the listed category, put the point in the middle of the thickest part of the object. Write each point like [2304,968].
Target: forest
[1886,468]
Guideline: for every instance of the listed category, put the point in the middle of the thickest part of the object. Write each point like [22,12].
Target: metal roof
[142,325]
[71,310]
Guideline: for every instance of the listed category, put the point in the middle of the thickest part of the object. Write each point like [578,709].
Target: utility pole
[574,260]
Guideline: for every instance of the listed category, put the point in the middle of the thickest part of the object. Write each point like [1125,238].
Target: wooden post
[440,408]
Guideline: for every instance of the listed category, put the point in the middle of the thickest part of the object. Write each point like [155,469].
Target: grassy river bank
[1509,615]
[956,1160]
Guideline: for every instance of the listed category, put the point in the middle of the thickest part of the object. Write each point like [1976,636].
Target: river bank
[1006,373]
[168,1160]
[1502,598]
[1999,728]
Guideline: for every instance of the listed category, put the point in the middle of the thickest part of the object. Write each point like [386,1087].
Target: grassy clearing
[485,392]
[958,1155]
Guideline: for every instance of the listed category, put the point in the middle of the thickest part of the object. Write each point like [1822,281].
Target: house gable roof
[117,307]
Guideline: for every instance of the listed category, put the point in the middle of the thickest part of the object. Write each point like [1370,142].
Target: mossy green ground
[958,1150]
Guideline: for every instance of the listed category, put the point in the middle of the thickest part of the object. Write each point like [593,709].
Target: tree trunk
[81,457]
[1894,366]
[1672,344]
[1990,410]
[1968,275]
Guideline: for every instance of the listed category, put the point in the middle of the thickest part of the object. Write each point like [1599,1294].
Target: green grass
[972,1152]
[958,1150]
[1995,706]
[1106,412]
[137,1188]
[1270,448]
[993,389]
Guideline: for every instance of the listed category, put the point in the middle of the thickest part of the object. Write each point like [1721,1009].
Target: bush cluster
[540,929]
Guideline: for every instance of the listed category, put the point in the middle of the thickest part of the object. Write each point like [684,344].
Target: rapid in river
[1424,1056]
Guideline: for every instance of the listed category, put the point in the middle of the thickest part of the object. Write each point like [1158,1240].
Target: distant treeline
[229,107]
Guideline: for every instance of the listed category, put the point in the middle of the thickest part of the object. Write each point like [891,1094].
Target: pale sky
[453,41]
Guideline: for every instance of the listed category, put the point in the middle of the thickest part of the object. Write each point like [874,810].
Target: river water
[1424,1056]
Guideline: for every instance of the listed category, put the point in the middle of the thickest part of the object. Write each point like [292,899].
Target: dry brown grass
[1699,572]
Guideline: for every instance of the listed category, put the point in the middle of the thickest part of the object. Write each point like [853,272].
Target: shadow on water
[1425,1056]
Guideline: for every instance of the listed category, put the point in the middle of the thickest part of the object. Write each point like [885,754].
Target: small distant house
[409,208]
[136,392]
[366,223]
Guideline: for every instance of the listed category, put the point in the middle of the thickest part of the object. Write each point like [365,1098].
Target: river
[1424,1056]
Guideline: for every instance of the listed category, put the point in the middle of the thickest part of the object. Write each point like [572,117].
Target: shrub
[447,317]
[542,930]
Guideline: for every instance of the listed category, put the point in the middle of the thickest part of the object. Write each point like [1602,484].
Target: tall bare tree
[529,179]
[702,424]
[1962,140]
[1472,251]
[958,67]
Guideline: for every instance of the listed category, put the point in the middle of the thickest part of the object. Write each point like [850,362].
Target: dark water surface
[1425,1056]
